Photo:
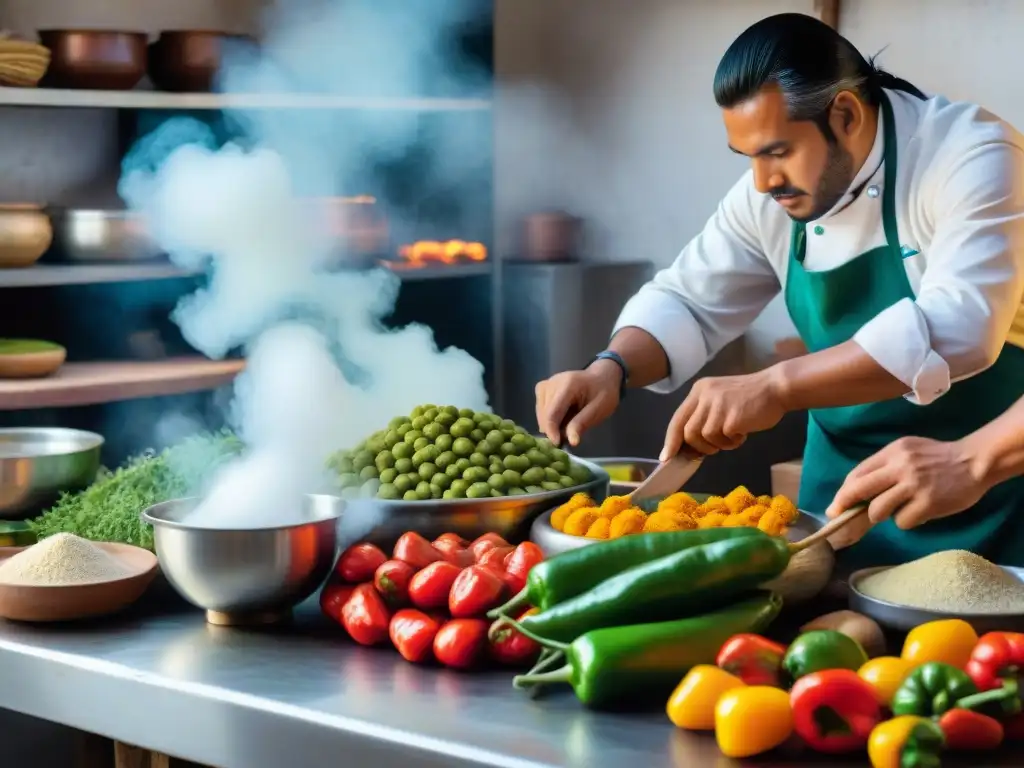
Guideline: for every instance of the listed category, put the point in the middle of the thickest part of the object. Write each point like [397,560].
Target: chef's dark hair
[808,60]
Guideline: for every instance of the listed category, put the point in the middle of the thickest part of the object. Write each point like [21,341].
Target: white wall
[628,136]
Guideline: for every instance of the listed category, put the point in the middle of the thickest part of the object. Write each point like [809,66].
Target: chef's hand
[912,480]
[585,397]
[719,413]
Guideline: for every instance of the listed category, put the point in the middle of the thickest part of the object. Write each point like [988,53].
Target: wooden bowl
[79,601]
[29,359]
[25,234]
[105,60]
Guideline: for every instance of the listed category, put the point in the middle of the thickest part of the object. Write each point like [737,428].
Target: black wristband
[616,358]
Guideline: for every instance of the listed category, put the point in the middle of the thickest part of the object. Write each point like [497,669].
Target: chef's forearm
[997,449]
[838,376]
[644,356]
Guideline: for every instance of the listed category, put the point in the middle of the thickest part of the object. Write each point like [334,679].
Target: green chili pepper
[574,572]
[1001,703]
[820,650]
[621,666]
[672,587]
[931,689]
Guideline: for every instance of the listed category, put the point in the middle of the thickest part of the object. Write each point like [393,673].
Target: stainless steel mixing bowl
[382,522]
[246,576]
[37,463]
[83,235]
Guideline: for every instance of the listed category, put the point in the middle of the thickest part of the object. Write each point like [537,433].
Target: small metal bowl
[38,463]
[382,522]
[83,235]
[905,617]
[246,576]
[808,573]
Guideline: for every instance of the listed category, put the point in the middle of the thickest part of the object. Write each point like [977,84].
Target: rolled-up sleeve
[710,294]
[973,279]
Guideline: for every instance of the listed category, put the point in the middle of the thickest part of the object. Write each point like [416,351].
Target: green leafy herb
[110,509]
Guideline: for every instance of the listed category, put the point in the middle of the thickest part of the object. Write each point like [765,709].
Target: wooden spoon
[828,529]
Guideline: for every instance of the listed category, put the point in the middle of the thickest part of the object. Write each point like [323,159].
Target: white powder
[61,560]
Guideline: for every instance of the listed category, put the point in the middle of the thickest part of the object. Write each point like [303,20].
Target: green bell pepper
[820,650]
[932,689]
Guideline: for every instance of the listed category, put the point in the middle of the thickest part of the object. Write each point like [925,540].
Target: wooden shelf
[55,97]
[83,274]
[93,383]
[80,274]
[440,271]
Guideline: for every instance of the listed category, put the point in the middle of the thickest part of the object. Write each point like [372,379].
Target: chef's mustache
[787,191]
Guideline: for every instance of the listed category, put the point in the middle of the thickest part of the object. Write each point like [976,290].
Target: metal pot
[25,234]
[37,464]
[357,229]
[188,60]
[82,235]
[552,236]
[104,60]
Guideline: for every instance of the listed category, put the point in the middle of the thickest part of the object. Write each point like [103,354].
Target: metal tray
[383,521]
[807,575]
[905,618]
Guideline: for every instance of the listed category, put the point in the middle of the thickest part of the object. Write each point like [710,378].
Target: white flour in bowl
[61,560]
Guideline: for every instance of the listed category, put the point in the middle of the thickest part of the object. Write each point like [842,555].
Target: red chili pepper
[968,731]
[511,647]
[412,633]
[476,591]
[495,559]
[461,643]
[365,616]
[357,563]
[429,588]
[454,538]
[996,657]
[834,710]
[392,581]
[485,543]
[519,563]
[753,659]
[413,549]
[333,597]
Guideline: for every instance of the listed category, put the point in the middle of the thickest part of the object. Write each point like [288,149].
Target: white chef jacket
[960,209]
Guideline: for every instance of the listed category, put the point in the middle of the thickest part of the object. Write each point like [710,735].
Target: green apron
[828,308]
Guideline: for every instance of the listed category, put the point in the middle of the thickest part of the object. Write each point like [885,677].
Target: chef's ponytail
[807,60]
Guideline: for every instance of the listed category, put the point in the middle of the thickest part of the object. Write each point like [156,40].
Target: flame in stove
[424,252]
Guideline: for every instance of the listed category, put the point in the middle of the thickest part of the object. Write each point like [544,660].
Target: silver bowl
[246,576]
[808,573]
[83,235]
[38,463]
[905,617]
[382,522]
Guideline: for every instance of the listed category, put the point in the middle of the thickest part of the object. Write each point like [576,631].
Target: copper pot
[188,60]
[552,236]
[25,234]
[102,60]
[357,228]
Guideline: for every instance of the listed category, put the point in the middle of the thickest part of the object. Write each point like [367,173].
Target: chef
[893,225]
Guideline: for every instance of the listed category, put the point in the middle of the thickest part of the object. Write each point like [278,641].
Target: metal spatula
[669,477]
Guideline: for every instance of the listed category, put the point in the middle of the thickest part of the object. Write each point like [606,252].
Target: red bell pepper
[753,659]
[461,643]
[519,563]
[392,581]
[333,597]
[834,710]
[412,633]
[413,549]
[429,589]
[996,657]
[968,731]
[358,563]
[366,616]
[511,647]
[475,591]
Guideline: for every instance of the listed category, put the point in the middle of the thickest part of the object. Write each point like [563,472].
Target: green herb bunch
[110,508]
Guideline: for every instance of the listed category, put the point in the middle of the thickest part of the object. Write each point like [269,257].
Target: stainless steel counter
[304,696]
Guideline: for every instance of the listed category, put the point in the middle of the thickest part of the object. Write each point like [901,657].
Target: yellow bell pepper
[907,741]
[949,641]
[885,674]
[752,720]
[692,704]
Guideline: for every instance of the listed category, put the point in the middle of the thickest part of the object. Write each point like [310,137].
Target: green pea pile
[443,452]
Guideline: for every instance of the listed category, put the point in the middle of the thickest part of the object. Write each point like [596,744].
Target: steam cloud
[245,209]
